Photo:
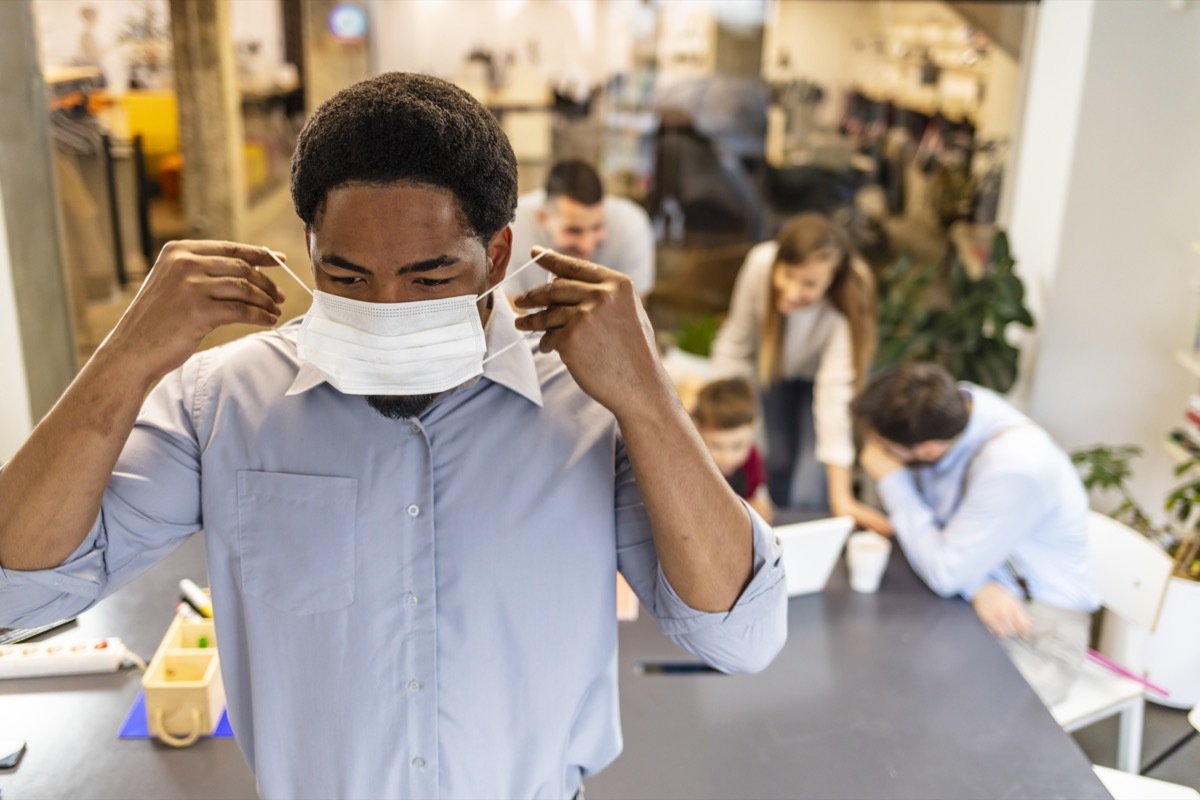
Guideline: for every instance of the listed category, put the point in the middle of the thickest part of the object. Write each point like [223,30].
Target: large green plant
[959,322]
[1106,469]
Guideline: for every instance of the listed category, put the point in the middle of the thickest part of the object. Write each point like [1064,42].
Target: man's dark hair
[913,403]
[725,404]
[574,180]
[403,127]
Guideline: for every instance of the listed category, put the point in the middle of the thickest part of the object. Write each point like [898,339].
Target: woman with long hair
[803,322]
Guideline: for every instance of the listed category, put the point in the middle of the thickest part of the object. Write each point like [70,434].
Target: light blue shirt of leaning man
[420,609]
[1004,493]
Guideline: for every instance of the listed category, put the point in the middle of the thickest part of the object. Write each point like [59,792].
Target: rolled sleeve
[833,391]
[39,597]
[762,596]
[151,504]
[743,639]
[735,349]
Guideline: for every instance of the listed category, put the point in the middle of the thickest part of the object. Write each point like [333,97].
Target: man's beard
[401,406]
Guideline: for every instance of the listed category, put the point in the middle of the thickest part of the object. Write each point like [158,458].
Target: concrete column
[33,289]
[210,119]
[1106,209]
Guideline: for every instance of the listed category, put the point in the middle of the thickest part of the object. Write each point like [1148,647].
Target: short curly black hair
[404,127]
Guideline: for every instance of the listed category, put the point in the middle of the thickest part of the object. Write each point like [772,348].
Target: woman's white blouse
[816,347]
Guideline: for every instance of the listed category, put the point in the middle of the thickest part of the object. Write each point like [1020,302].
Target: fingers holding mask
[224,267]
[193,288]
[592,317]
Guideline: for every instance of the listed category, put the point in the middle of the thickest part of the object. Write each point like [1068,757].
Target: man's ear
[542,216]
[499,253]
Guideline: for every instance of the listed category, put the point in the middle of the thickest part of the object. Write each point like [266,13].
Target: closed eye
[433,281]
[346,280]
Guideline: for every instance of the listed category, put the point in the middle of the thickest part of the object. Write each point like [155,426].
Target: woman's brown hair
[852,293]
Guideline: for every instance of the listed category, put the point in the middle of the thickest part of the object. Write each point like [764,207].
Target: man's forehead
[396,217]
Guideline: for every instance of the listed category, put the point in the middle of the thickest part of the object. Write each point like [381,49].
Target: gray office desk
[71,723]
[899,694]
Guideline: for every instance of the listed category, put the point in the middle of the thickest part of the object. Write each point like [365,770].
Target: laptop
[810,549]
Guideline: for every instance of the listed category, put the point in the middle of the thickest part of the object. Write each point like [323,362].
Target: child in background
[726,414]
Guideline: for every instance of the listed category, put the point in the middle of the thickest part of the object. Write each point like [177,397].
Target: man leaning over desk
[411,556]
[988,507]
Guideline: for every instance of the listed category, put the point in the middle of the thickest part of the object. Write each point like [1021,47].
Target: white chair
[1123,786]
[1131,575]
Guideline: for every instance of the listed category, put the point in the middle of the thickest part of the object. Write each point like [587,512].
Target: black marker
[672,668]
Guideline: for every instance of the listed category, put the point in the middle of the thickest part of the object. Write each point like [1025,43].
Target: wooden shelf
[1189,361]
[1179,455]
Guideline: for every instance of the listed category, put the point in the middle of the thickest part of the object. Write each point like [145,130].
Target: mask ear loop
[286,269]
[514,273]
[526,336]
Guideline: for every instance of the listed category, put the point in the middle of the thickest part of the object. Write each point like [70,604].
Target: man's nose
[390,292]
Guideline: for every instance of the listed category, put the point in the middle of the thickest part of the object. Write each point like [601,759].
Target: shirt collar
[513,369]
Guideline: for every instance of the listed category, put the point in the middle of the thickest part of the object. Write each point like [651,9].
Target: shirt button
[416,428]
[418,762]
[412,600]
[414,686]
[413,510]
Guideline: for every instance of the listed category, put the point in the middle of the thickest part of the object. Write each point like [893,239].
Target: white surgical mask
[419,347]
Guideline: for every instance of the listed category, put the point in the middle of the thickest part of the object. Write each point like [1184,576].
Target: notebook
[810,549]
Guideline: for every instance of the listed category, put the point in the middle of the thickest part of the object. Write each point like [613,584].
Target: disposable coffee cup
[867,557]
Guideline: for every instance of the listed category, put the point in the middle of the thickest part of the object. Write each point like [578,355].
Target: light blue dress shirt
[420,608]
[1023,502]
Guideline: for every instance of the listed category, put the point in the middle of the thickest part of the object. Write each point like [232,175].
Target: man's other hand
[1002,613]
[592,316]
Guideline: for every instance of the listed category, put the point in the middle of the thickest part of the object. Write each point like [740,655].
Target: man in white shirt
[573,216]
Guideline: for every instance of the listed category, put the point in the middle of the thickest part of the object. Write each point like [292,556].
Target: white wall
[1106,204]
[435,36]
[15,418]
[259,21]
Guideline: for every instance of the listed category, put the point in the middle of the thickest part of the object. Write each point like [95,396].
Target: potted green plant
[956,320]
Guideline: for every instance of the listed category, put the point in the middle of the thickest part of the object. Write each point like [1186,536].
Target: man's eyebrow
[427,265]
[419,266]
[338,261]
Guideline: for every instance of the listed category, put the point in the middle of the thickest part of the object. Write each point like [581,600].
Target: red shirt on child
[749,476]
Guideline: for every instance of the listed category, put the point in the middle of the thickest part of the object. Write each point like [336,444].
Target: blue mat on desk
[135,725]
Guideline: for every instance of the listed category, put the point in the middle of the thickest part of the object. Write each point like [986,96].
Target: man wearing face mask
[574,216]
[401,479]
[988,507]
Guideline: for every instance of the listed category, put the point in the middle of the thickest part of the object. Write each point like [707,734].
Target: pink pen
[1108,663]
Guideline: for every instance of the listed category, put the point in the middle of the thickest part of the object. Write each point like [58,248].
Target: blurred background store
[925,127]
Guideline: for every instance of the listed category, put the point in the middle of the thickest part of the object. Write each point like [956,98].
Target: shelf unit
[1175,451]
[1191,362]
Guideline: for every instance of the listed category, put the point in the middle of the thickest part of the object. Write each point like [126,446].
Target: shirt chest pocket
[296,540]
